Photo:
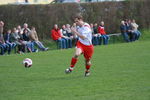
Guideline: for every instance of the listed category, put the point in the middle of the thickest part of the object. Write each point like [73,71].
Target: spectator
[21,40]
[29,44]
[135,30]
[4,47]
[74,36]
[101,31]
[129,30]
[15,38]
[123,30]
[68,29]
[56,36]
[34,38]
[75,27]
[67,36]
[8,41]
[96,38]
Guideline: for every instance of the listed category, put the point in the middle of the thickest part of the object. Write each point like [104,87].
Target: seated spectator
[124,31]
[34,38]
[29,44]
[101,31]
[4,47]
[66,36]
[129,30]
[68,29]
[135,30]
[15,38]
[56,36]
[8,41]
[25,27]
[96,38]
[73,36]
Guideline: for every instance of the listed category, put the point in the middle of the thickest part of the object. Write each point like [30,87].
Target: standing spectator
[135,30]
[101,31]
[4,47]
[56,36]
[123,30]
[34,38]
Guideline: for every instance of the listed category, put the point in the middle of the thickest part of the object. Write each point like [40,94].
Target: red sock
[73,62]
[88,67]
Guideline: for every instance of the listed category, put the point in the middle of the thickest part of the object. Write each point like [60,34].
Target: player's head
[78,19]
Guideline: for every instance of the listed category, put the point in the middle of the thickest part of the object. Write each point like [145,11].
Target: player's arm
[77,33]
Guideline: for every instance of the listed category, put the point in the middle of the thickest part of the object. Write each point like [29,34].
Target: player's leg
[74,60]
[87,66]
[88,52]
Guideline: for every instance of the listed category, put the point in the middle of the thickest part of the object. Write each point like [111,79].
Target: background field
[119,72]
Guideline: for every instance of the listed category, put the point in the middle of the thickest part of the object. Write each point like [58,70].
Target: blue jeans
[68,42]
[61,43]
[10,47]
[125,37]
[137,34]
[105,39]
[30,46]
[39,44]
[4,48]
[94,40]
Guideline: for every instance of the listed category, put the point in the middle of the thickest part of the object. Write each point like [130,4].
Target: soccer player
[83,46]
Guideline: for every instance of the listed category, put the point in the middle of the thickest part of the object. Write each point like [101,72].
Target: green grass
[145,35]
[119,72]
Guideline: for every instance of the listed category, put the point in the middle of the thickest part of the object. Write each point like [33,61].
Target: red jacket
[101,30]
[55,34]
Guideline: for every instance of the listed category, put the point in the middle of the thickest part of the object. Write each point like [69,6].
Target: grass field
[119,72]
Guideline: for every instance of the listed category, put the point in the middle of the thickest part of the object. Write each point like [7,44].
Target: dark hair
[78,16]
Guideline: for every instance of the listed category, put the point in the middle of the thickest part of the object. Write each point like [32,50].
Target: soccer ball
[27,62]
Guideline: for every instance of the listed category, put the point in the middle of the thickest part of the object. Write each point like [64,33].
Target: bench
[114,37]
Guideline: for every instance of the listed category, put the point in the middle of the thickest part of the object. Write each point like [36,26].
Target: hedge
[43,17]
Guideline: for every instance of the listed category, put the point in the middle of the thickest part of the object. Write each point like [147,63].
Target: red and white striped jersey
[86,31]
